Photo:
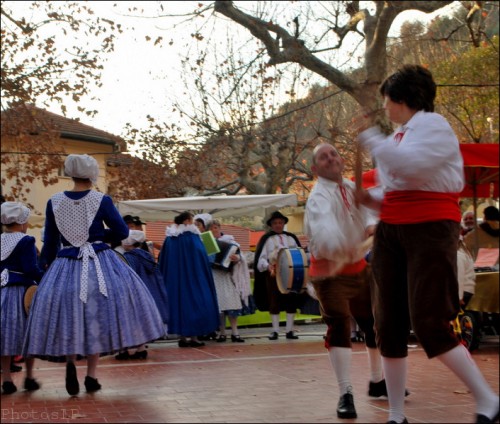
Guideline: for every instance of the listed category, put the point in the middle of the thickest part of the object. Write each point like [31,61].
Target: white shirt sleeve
[428,157]
[335,231]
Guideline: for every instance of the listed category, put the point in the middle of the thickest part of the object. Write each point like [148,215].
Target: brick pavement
[260,381]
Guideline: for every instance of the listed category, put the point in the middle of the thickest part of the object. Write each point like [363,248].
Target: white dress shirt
[334,225]
[427,158]
[271,248]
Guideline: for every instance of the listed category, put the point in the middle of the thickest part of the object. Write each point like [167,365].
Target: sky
[140,79]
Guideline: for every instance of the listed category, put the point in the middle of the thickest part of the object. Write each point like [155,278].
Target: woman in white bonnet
[19,270]
[89,302]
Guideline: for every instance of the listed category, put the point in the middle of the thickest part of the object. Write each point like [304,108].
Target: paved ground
[260,381]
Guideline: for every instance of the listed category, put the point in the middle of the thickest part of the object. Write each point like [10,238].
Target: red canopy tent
[481,163]
[481,170]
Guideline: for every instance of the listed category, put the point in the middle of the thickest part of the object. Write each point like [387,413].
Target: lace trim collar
[177,230]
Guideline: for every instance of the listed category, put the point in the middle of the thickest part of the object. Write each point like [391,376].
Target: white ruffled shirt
[334,228]
[427,158]
[271,248]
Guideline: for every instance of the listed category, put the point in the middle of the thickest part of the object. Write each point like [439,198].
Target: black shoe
[122,356]
[143,354]
[15,368]
[405,421]
[8,387]
[72,385]
[91,384]
[345,407]
[222,338]
[484,419]
[380,389]
[237,339]
[273,336]
[194,343]
[291,335]
[30,384]
[183,343]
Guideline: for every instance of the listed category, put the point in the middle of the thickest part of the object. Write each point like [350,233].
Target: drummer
[266,293]
[338,230]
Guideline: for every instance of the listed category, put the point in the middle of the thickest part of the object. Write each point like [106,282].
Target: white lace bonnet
[82,166]
[14,212]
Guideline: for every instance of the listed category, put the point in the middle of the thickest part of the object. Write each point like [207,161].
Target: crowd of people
[100,290]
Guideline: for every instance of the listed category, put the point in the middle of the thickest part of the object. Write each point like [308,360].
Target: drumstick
[358,170]
[358,173]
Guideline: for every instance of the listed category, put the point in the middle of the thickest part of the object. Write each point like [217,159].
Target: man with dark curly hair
[420,169]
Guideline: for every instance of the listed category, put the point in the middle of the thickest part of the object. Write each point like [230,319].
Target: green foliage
[473,108]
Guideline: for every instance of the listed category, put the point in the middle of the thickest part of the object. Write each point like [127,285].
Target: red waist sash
[321,268]
[414,206]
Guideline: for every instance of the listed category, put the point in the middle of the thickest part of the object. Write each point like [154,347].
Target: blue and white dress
[19,270]
[89,301]
[146,267]
[184,264]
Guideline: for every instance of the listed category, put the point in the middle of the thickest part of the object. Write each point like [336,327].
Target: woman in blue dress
[188,276]
[89,302]
[142,262]
[19,270]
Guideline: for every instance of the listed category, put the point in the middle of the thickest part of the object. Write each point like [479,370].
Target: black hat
[128,218]
[274,215]
[137,221]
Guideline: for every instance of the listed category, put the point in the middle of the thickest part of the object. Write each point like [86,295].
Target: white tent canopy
[219,206]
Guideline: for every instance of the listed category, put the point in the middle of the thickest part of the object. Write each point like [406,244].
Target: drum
[292,270]
[223,258]
[28,297]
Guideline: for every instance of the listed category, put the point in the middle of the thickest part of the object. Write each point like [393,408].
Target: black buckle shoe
[72,385]
[222,338]
[183,343]
[345,407]
[405,421]
[484,419]
[30,384]
[273,336]
[380,389]
[91,384]
[291,335]
[8,387]
[237,339]
[143,354]
[122,356]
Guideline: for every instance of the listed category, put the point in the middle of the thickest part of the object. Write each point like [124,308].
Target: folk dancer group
[90,288]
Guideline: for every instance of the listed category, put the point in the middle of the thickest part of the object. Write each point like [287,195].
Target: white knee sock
[289,322]
[395,377]
[275,319]
[463,366]
[375,362]
[340,358]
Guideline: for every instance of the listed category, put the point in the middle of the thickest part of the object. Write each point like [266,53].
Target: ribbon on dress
[4,277]
[86,252]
